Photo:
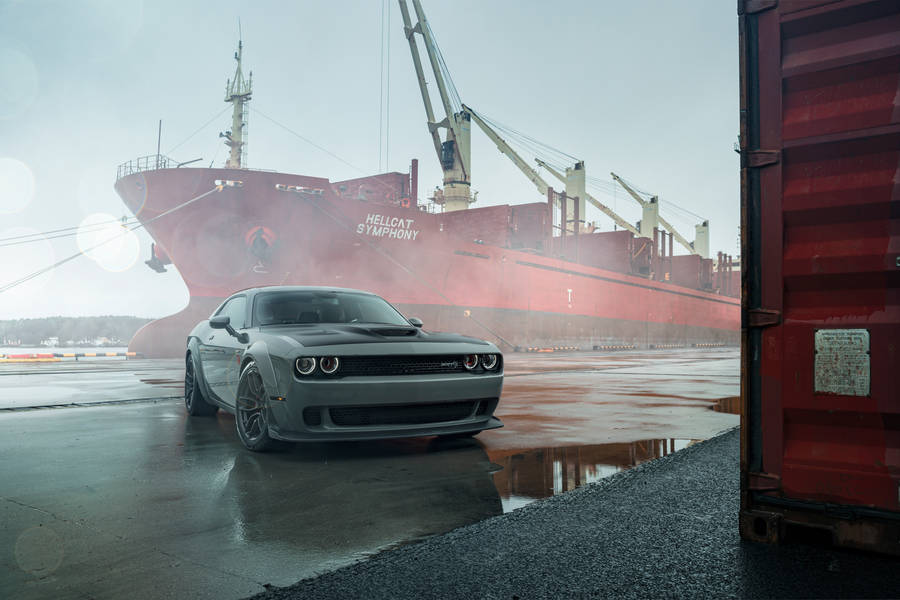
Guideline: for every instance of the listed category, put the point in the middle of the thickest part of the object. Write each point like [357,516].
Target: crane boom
[454,152]
[410,32]
[505,148]
[432,55]
[603,208]
[678,237]
[452,121]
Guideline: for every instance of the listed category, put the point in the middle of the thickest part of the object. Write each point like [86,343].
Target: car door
[233,350]
[208,353]
[221,349]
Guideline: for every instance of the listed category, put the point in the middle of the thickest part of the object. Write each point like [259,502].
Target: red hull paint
[454,269]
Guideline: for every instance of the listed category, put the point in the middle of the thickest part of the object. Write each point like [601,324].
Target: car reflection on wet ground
[134,499]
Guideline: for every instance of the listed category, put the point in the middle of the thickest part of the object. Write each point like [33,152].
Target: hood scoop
[394,331]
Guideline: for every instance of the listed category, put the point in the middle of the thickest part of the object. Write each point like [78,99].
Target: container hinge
[762,482]
[749,7]
[763,317]
[762,158]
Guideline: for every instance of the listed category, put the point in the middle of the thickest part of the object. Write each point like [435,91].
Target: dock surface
[108,490]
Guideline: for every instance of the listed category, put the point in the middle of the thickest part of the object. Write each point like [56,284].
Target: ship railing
[152,162]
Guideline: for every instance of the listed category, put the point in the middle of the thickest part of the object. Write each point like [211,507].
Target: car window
[277,308]
[236,310]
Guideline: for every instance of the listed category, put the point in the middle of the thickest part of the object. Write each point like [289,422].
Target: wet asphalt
[108,490]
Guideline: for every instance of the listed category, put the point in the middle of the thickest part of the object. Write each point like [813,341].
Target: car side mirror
[224,322]
[220,322]
[415,322]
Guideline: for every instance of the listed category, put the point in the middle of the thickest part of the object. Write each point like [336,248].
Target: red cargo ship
[505,273]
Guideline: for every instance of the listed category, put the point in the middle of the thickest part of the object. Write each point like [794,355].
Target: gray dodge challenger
[312,363]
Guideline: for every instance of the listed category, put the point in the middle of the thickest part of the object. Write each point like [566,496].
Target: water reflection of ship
[543,472]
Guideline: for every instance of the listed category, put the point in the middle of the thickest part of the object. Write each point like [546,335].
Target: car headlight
[470,361]
[305,365]
[329,364]
[490,361]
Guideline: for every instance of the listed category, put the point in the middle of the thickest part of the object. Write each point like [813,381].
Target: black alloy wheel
[251,411]
[194,401]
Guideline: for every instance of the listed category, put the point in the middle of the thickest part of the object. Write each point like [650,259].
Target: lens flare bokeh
[16,185]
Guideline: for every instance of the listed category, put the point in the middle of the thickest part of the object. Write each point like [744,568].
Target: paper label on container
[842,364]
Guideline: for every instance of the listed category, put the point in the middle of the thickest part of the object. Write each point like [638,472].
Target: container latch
[763,317]
[762,158]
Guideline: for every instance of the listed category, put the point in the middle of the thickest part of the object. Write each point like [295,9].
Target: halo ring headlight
[489,361]
[329,364]
[305,365]
[470,361]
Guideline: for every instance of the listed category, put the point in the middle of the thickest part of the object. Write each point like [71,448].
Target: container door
[820,141]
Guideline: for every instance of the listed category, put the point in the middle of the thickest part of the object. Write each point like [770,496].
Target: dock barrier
[553,349]
[58,356]
[614,347]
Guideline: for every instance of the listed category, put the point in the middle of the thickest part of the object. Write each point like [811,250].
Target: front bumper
[319,409]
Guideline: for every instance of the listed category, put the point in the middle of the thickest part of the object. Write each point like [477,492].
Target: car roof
[299,288]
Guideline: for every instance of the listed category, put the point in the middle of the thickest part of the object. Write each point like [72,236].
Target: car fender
[194,348]
[258,352]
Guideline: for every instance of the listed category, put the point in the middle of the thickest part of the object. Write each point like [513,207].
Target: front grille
[352,366]
[416,414]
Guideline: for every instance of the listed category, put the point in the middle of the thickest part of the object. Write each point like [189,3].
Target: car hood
[331,335]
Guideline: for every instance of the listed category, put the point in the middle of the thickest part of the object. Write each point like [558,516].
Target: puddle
[530,475]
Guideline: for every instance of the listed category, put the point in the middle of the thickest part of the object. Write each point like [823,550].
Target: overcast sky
[645,88]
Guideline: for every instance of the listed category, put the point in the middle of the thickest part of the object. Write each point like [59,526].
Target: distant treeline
[102,330]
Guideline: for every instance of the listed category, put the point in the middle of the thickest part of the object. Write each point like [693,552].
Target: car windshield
[297,307]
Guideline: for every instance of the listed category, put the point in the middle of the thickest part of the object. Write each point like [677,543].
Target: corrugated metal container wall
[820,178]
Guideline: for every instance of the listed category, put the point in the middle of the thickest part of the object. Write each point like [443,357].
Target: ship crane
[532,175]
[651,217]
[536,178]
[506,149]
[603,208]
[454,152]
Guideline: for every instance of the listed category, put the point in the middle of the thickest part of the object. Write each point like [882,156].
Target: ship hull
[271,229]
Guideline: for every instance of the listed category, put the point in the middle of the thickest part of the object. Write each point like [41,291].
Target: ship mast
[237,91]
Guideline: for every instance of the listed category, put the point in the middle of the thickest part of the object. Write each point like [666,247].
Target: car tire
[251,411]
[194,401]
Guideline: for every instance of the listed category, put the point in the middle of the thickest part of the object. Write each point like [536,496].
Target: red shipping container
[686,270]
[820,179]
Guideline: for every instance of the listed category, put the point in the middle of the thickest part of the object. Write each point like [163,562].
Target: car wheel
[194,401]
[251,411]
